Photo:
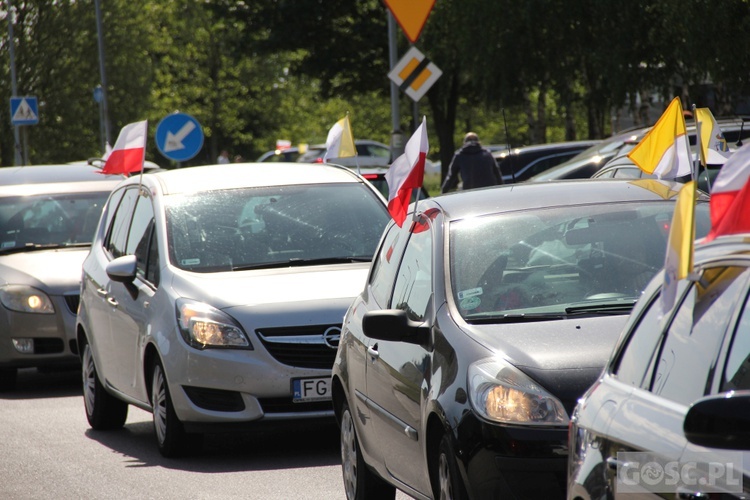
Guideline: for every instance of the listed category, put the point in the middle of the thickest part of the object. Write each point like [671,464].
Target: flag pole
[687,145]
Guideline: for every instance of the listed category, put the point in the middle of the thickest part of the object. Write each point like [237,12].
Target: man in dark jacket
[474,164]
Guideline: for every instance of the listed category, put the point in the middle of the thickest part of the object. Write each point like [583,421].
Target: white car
[213,296]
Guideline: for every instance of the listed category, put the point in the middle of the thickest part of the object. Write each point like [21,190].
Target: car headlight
[205,326]
[26,299]
[501,392]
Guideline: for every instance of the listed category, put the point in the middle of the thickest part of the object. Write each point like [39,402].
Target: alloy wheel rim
[159,404]
[444,478]
[349,455]
[89,380]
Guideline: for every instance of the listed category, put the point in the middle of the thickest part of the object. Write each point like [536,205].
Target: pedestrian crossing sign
[24,111]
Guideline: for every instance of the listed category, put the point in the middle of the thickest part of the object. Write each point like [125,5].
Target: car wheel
[359,481]
[103,411]
[8,378]
[171,437]
[448,484]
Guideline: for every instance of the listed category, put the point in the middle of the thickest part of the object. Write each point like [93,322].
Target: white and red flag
[129,152]
[730,196]
[407,173]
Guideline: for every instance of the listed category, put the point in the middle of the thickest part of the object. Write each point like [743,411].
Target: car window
[632,363]
[117,238]
[385,265]
[692,342]
[139,238]
[236,229]
[549,260]
[373,150]
[737,370]
[414,280]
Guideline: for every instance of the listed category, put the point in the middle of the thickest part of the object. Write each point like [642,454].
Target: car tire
[8,377]
[360,483]
[103,411]
[171,437]
[448,484]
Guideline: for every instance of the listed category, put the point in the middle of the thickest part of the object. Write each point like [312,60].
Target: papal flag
[678,262]
[665,150]
[714,149]
[340,141]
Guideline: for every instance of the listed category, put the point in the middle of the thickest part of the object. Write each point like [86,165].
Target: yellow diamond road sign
[411,15]
[414,74]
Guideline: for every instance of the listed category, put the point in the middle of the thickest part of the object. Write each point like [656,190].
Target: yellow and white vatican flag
[665,150]
[713,146]
[340,141]
[678,262]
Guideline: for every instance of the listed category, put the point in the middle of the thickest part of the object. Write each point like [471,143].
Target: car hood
[564,356]
[274,286]
[55,271]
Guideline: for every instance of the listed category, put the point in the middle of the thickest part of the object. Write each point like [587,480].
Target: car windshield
[49,220]
[593,259]
[281,226]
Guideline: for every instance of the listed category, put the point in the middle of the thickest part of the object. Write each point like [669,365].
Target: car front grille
[72,302]
[46,345]
[302,346]
[285,405]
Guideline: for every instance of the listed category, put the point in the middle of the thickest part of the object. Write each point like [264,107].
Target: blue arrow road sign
[24,111]
[179,137]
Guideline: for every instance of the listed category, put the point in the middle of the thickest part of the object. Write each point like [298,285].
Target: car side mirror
[721,421]
[394,325]
[122,269]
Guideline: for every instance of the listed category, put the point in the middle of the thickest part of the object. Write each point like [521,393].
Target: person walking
[474,164]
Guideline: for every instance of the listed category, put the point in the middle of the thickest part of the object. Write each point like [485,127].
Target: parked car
[481,323]
[674,392]
[369,154]
[588,163]
[48,215]
[519,164]
[213,296]
[280,155]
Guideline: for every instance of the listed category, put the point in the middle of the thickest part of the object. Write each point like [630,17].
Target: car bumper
[512,462]
[52,335]
[236,387]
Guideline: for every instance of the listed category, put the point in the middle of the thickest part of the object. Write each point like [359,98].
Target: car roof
[236,175]
[549,146]
[67,172]
[524,196]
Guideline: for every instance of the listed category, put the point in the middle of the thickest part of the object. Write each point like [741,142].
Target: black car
[518,164]
[673,399]
[483,320]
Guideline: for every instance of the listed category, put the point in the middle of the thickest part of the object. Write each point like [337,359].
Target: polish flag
[130,150]
[730,196]
[406,173]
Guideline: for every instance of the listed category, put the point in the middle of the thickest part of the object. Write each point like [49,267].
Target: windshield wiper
[514,318]
[30,247]
[620,307]
[297,262]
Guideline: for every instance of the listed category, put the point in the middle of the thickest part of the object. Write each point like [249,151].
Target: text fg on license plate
[311,389]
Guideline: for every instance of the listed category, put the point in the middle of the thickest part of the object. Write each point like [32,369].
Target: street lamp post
[102,72]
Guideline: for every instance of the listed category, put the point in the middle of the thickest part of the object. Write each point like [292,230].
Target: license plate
[311,389]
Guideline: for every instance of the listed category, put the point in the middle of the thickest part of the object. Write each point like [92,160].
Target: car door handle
[373,352]
[685,494]
[112,302]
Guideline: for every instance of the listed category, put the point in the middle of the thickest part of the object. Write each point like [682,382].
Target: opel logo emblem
[331,337]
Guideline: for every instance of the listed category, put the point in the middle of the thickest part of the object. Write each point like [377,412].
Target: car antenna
[510,159]
[739,140]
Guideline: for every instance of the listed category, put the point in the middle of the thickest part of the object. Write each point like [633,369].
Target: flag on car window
[665,150]
[678,262]
[340,141]
[407,173]
[713,146]
[130,150]
[730,196]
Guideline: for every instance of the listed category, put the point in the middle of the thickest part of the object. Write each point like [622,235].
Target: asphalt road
[48,451]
